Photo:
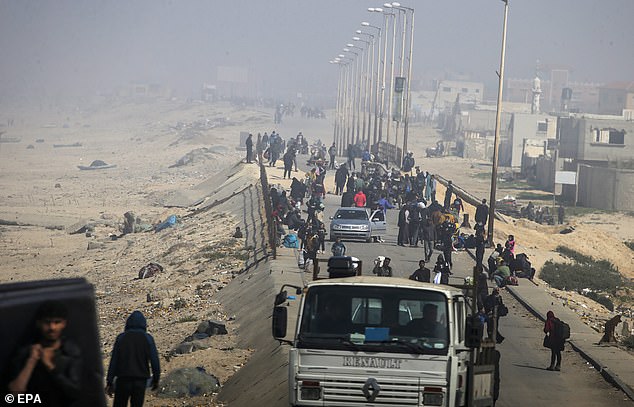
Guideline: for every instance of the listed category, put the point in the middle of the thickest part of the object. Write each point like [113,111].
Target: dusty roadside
[43,187]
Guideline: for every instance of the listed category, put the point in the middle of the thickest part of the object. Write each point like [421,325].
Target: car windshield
[350,214]
[397,320]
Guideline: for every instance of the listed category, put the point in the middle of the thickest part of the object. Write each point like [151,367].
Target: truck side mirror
[280,298]
[279,322]
[473,334]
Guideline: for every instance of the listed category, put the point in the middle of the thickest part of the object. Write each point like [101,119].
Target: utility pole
[408,86]
[496,143]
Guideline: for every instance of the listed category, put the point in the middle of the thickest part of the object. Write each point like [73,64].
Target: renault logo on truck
[371,389]
[374,362]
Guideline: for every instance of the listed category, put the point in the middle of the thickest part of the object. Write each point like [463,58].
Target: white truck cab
[376,341]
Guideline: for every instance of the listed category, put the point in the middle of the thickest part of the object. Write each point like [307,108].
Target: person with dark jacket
[415,219]
[293,219]
[128,372]
[495,308]
[553,341]
[332,152]
[288,159]
[50,367]
[351,157]
[249,144]
[423,274]
[560,214]
[447,247]
[448,194]
[482,213]
[429,238]
[442,268]
[298,190]
[347,199]
[480,241]
[482,286]
[403,225]
[350,184]
[341,176]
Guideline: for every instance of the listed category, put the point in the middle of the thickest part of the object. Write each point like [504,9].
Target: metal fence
[268,207]
[393,154]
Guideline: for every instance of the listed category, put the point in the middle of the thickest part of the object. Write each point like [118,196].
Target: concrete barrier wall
[606,188]
[263,380]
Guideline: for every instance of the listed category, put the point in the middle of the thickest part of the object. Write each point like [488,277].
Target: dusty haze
[63,49]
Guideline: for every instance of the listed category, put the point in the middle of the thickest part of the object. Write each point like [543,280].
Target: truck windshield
[399,320]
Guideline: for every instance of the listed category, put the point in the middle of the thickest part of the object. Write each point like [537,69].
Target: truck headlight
[310,390]
[364,227]
[432,399]
[336,227]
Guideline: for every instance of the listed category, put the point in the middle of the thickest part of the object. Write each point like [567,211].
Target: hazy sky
[88,45]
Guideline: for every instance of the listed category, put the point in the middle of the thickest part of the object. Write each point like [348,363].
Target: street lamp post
[345,110]
[354,82]
[335,134]
[408,88]
[339,114]
[375,138]
[367,91]
[496,143]
[360,85]
[386,26]
[392,14]
[401,11]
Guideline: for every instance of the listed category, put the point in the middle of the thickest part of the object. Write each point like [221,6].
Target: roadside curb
[604,371]
[607,374]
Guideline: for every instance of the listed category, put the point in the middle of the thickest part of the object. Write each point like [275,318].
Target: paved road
[525,381]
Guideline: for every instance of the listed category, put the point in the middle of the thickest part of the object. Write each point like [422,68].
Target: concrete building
[616,97]
[585,95]
[448,91]
[474,132]
[600,149]
[597,140]
[526,137]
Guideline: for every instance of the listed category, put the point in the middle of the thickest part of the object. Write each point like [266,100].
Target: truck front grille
[349,391]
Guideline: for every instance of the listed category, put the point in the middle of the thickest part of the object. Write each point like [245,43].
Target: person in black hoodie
[133,350]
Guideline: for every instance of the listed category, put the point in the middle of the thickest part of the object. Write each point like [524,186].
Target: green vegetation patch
[574,255]
[583,273]
[630,244]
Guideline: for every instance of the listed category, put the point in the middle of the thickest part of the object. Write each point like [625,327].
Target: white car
[357,223]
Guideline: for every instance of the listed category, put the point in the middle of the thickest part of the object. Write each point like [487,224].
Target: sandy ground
[43,190]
